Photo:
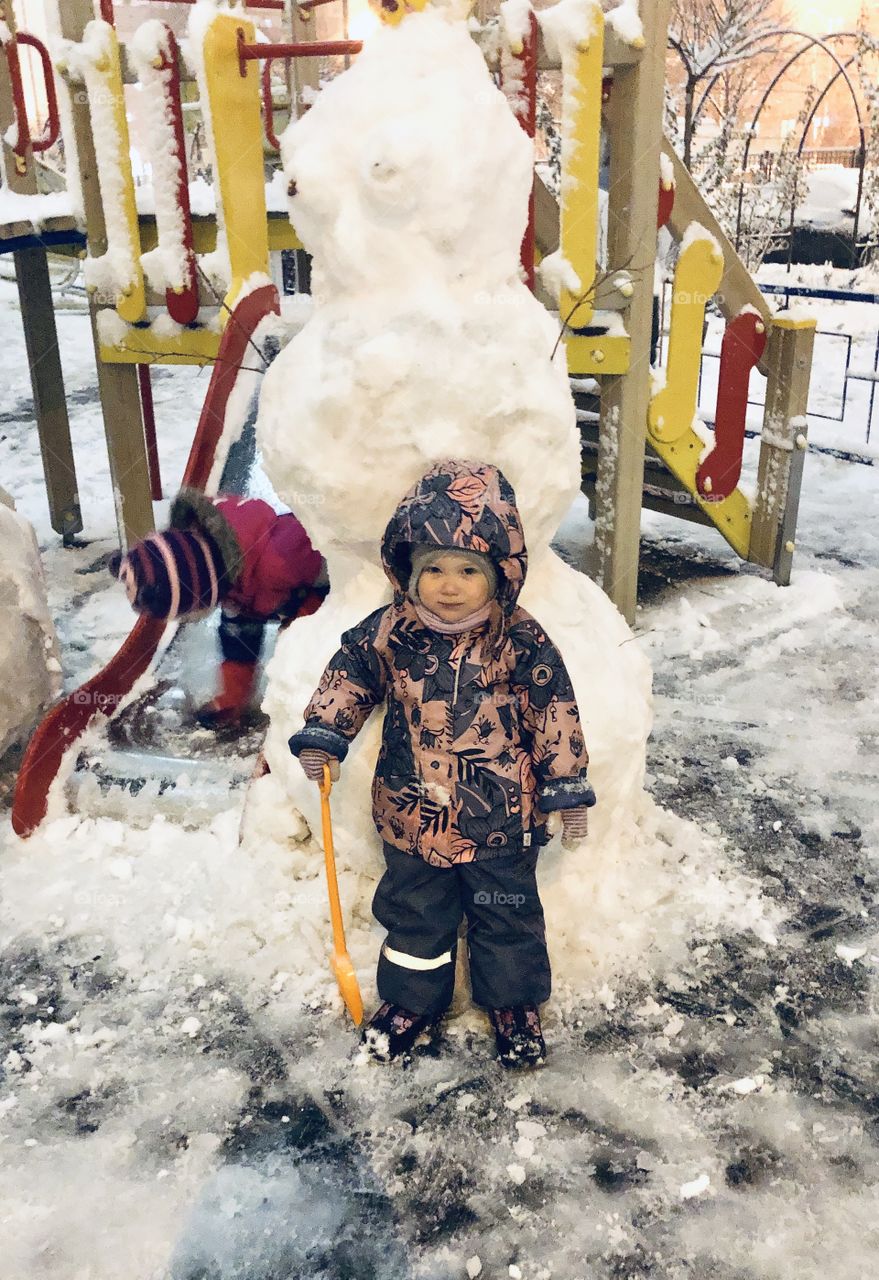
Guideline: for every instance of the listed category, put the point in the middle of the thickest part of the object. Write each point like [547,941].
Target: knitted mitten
[575,825]
[313,762]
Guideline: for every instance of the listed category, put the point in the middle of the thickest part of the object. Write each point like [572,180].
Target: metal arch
[843,71]
[801,35]
[812,43]
[862,153]
[780,31]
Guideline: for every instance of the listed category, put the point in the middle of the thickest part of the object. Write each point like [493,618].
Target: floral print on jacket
[482,735]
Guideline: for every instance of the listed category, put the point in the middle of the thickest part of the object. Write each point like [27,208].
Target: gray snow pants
[422,906]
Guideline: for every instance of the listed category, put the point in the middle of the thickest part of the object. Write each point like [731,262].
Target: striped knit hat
[173,573]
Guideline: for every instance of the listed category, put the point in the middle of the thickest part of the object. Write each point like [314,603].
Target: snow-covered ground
[173,1103]
[831,199]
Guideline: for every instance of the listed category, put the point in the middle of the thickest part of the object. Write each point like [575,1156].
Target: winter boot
[392,1031]
[237,680]
[518,1036]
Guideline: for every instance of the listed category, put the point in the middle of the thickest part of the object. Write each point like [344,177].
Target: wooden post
[117,383]
[783,446]
[40,334]
[303,73]
[635,136]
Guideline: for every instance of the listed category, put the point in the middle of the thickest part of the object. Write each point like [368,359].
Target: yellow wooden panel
[282,235]
[142,346]
[581,153]
[784,321]
[132,305]
[238,169]
[732,516]
[598,356]
[672,410]
[697,277]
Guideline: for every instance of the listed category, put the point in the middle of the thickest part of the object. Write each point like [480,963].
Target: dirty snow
[179,1095]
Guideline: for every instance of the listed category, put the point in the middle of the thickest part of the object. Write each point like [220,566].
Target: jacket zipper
[455,692]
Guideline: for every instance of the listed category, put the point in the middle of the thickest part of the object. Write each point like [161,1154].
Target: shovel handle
[326,785]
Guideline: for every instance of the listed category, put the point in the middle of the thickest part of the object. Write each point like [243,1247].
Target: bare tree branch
[713,36]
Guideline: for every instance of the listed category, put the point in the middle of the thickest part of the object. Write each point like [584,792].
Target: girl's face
[451,588]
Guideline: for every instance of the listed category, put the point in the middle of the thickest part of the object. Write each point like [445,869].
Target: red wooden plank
[743,345]
[666,204]
[183,306]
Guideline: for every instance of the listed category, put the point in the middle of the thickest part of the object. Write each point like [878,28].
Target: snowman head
[410,168]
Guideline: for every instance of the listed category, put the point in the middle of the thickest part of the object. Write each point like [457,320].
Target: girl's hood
[468,505]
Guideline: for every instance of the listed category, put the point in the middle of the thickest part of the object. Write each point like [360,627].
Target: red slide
[101,695]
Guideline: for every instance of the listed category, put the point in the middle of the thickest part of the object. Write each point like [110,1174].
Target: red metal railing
[301,49]
[269,105]
[182,306]
[22,144]
[53,124]
[107,6]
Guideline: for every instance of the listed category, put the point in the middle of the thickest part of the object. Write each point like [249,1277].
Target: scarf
[470,623]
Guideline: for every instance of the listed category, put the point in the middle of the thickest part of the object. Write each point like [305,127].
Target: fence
[813,158]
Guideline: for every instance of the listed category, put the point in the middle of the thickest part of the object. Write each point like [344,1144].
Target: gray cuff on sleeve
[319,737]
[565,793]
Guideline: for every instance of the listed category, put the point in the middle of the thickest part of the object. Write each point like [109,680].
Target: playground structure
[179,289]
[649,450]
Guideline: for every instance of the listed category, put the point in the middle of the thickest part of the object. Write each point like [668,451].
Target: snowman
[408,183]
[29,666]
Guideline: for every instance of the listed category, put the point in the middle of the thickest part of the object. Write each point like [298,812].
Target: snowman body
[409,183]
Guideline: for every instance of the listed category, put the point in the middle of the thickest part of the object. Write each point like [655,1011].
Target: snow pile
[567,27]
[516,21]
[216,266]
[831,200]
[424,344]
[166,266]
[624,18]
[114,272]
[29,667]
[35,209]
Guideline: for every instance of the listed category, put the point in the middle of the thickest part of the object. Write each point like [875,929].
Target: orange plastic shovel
[340,960]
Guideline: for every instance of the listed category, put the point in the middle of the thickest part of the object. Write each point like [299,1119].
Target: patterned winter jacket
[482,735]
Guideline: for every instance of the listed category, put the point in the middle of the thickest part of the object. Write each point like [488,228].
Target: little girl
[481,741]
[240,554]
